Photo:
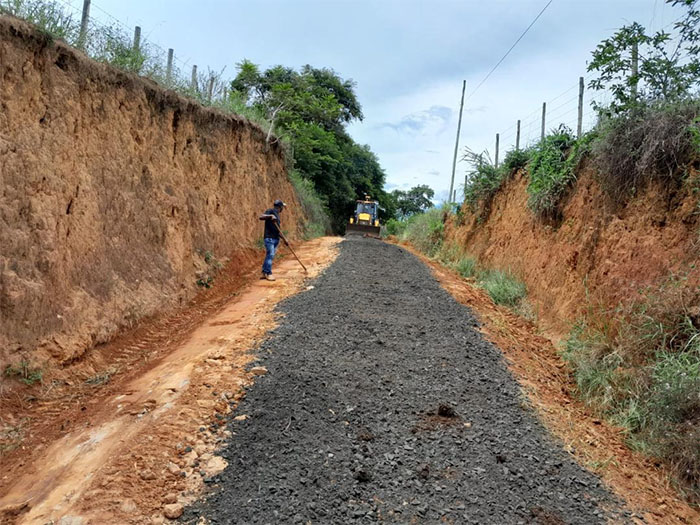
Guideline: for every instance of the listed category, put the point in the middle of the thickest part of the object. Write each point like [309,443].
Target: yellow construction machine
[366,218]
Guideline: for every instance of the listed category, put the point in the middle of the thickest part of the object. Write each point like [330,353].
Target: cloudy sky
[409,58]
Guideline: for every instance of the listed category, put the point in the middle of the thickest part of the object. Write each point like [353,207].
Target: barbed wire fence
[121,46]
[570,108]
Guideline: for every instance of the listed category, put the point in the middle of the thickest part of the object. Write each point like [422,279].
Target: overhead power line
[511,49]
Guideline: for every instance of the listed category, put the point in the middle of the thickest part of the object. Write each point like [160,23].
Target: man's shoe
[269,277]
[263,276]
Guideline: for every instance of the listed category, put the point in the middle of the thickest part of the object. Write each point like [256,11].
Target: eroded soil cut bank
[116,193]
[597,255]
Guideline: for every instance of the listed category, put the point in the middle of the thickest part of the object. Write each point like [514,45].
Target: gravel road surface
[383,403]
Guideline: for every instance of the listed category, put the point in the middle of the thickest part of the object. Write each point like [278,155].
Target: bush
[551,172]
[643,372]
[483,181]
[516,159]
[315,211]
[425,231]
[395,227]
[651,143]
[503,287]
[467,267]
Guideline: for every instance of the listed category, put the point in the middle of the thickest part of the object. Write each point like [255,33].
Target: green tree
[311,108]
[667,64]
[416,200]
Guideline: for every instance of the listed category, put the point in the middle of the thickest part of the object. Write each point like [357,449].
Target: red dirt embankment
[599,254]
[112,190]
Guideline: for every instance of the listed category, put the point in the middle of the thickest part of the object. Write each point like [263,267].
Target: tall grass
[425,230]
[503,286]
[314,208]
[640,366]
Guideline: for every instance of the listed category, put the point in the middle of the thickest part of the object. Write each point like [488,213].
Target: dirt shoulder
[141,431]
[594,443]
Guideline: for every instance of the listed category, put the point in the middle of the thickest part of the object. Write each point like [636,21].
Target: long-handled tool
[289,246]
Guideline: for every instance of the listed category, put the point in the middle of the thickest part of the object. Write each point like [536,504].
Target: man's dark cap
[279,204]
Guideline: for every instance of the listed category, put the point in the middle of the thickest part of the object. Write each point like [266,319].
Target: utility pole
[84,20]
[544,112]
[579,128]
[459,128]
[517,137]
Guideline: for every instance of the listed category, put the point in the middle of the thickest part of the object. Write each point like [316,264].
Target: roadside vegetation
[425,232]
[24,372]
[638,364]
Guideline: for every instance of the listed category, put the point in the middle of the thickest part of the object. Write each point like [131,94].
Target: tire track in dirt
[383,403]
[150,439]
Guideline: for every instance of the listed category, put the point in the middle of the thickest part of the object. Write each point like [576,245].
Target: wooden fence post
[137,39]
[84,20]
[544,113]
[497,141]
[517,137]
[210,88]
[169,67]
[194,78]
[579,127]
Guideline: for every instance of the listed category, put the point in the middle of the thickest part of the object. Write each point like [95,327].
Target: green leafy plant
[516,159]
[24,372]
[315,210]
[503,287]
[425,231]
[483,179]
[206,281]
[551,172]
[636,67]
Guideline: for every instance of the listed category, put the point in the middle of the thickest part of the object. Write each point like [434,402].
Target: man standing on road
[271,237]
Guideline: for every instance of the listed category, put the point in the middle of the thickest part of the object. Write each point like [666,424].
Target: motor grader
[366,218]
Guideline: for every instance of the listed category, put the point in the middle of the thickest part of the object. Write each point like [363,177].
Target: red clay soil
[113,191]
[597,255]
[547,381]
[135,425]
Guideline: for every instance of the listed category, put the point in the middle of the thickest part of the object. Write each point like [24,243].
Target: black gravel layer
[383,403]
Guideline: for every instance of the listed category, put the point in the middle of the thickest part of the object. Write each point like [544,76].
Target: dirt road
[114,450]
[382,402]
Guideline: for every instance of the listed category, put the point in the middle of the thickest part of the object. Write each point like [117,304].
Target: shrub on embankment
[655,143]
[640,366]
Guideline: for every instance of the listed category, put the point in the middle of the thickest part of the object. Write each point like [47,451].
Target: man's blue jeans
[270,249]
